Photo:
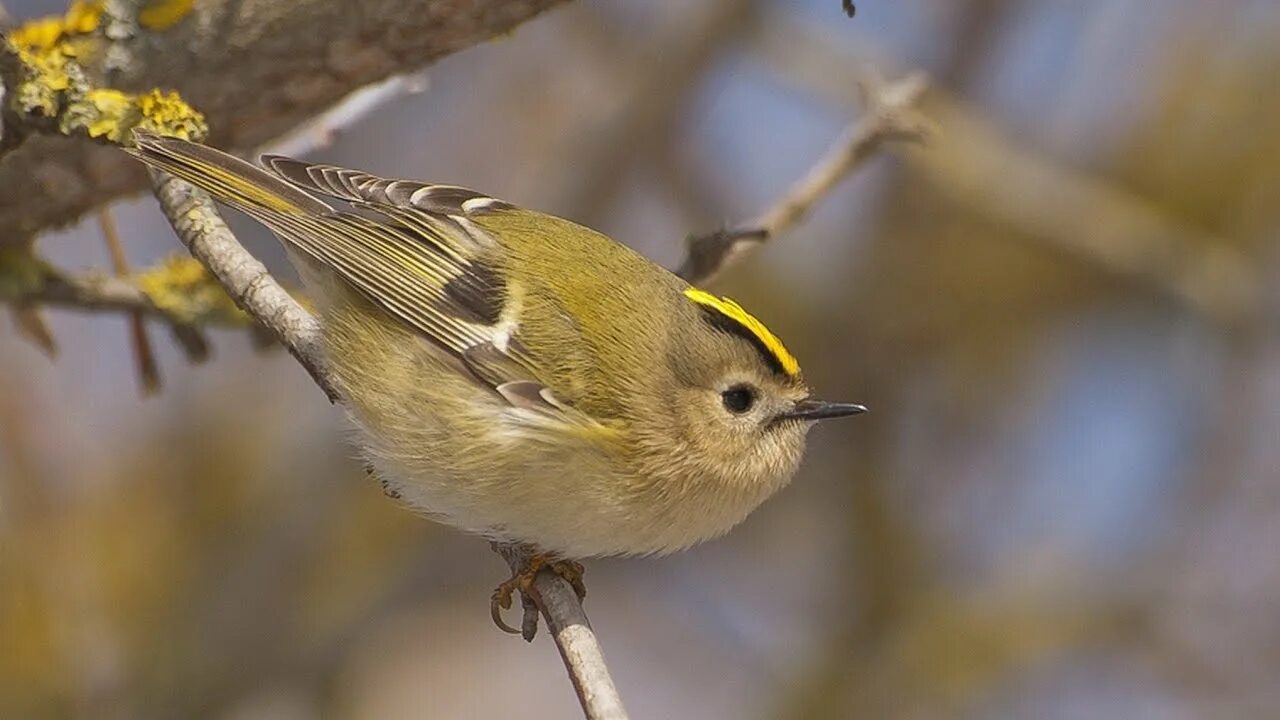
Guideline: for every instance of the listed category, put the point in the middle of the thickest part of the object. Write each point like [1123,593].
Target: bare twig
[198,224]
[1076,212]
[148,369]
[890,116]
[321,131]
[30,324]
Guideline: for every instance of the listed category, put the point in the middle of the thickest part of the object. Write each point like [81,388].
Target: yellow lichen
[169,114]
[44,33]
[54,86]
[83,17]
[47,76]
[160,15]
[112,113]
[184,289]
[39,34]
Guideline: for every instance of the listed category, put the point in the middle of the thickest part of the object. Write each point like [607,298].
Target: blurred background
[1061,310]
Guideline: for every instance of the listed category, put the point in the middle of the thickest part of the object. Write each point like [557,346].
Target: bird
[519,376]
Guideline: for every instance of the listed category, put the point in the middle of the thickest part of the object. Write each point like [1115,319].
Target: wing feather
[410,248]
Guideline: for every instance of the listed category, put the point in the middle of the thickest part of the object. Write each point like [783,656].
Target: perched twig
[199,226]
[577,642]
[246,280]
[890,116]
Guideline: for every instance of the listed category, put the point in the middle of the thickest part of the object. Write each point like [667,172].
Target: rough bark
[255,68]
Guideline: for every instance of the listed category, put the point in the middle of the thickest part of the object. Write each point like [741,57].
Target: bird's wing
[411,248]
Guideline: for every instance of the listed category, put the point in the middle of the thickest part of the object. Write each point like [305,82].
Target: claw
[500,601]
[522,581]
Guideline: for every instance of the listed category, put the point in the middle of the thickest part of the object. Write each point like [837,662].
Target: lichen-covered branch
[178,290]
[890,116]
[255,70]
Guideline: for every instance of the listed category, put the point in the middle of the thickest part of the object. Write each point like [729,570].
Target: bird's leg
[526,563]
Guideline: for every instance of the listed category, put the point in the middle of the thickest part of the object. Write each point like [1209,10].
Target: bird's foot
[528,563]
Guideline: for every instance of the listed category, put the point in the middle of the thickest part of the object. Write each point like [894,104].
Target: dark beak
[811,410]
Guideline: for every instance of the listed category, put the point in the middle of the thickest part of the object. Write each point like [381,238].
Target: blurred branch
[97,292]
[92,292]
[1088,218]
[1084,215]
[143,355]
[890,116]
[649,95]
[321,131]
[199,226]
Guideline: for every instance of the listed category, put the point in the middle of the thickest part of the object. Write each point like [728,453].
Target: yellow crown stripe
[735,312]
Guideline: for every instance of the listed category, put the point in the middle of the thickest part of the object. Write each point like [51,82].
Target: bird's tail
[230,180]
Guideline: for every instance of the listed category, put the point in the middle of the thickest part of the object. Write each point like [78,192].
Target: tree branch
[1076,212]
[890,117]
[198,225]
[256,70]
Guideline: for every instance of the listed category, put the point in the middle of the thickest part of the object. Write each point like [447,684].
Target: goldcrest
[519,376]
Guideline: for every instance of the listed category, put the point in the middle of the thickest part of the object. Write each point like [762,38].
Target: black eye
[738,399]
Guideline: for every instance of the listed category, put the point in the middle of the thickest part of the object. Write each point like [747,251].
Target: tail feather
[228,179]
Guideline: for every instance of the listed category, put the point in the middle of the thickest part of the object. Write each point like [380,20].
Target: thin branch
[144,356]
[1083,214]
[93,292]
[96,292]
[321,131]
[579,648]
[246,280]
[198,225]
[890,117]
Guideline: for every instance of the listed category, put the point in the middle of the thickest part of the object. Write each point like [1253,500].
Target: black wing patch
[478,293]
